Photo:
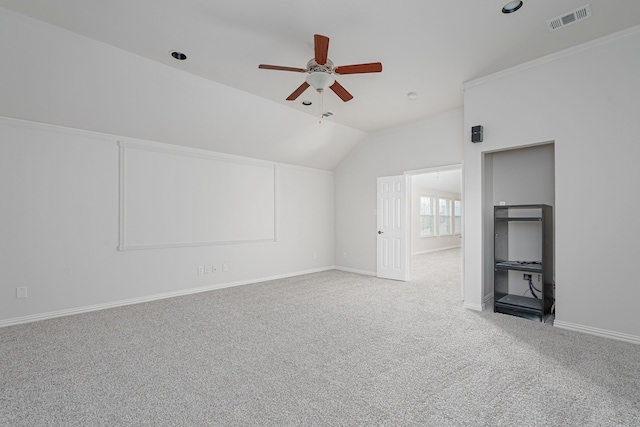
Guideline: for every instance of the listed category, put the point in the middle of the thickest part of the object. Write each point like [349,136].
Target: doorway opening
[436,213]
[405,226]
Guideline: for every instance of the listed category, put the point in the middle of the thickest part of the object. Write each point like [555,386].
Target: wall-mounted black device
[476,134]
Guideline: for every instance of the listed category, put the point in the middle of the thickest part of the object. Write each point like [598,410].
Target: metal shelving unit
[509,221]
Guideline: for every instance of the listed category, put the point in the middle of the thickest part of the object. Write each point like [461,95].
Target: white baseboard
[471,306]
[435,250]
[130,301]
[488,299]
[597,331]
[353,270]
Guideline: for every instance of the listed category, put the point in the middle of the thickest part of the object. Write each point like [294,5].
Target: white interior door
[393,236]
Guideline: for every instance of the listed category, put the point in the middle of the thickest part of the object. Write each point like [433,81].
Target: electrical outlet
[526,277]
[21,292]
[207,269]
[201,269]
[225,267]
[344,255]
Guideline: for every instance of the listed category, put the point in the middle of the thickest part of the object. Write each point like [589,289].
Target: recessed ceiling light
[306,103]
[178,55]
[412,95]
[512,6]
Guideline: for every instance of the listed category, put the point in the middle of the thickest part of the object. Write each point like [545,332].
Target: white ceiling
[450,181]
[430,47]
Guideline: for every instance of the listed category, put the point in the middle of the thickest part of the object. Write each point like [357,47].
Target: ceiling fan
[321,70]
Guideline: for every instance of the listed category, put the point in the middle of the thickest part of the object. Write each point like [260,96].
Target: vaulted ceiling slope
[218,99]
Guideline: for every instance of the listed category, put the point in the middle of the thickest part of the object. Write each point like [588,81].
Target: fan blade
[341,92]
[296,93]
[321,48]
[373,67]
[278,67]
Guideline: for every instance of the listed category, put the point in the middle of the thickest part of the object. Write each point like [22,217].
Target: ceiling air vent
[569,18]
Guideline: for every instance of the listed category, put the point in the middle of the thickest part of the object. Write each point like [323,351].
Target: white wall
[524,176]
[436,141]
[587,101]
[421,244]
[59,229]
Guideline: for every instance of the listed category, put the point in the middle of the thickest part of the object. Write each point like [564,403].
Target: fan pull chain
[321,104]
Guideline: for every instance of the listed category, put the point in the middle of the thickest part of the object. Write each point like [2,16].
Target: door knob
[380,232]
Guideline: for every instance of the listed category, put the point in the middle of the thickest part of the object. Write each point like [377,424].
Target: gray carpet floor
[326,349]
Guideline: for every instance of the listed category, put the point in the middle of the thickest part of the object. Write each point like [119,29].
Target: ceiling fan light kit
[320,80]
[321,71]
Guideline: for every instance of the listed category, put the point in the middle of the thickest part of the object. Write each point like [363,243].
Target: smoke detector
[579,14]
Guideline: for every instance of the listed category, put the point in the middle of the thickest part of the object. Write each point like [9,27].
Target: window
[444,217]
[440,216]
[457,217]
[427,216]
